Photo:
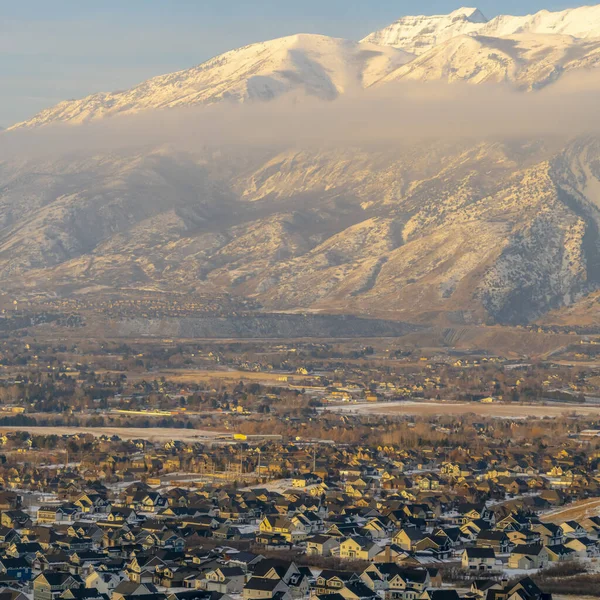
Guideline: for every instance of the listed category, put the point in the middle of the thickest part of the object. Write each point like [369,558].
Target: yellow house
[283,527]
[406,537]
[359,548]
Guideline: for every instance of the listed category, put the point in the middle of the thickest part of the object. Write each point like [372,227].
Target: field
[197,375]
[512,342]
[491,410]
[576,511]
[153,434]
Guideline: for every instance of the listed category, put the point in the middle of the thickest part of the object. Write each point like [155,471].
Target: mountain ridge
[528,61]
[462,232]
[420,34]
[314,65]
[530,52]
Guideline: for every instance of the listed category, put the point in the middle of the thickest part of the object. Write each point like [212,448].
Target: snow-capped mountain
[419,35]
[582,22]
[314,65]
[530,52]
[529,61]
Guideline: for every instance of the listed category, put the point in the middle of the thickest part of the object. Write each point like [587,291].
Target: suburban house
[528,557]
[259,588]
[550,534]
[322,545]
[359,548]
[497,540]
[49,586]
[478,559]
[225,580]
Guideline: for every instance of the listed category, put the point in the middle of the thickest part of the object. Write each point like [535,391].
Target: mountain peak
[473,15]
[418,34]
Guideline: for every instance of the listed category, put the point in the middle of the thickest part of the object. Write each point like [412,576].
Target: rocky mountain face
[420,34]
[446,232]
[528,61]
[437,231]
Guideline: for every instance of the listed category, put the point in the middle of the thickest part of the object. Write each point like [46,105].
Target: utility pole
[314,460]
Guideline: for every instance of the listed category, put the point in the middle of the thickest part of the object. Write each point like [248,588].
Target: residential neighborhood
[131,518]
[296,471]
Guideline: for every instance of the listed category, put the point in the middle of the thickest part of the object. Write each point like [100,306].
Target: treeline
[18,421]
[572,579]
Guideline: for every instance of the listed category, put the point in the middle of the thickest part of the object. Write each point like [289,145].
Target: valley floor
[152,434]
[493,410]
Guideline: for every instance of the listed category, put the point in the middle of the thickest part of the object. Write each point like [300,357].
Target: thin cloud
[393,114]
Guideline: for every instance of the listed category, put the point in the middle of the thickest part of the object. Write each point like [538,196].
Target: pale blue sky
[51,50]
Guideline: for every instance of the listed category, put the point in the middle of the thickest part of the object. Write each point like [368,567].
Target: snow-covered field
[153,434]
[495,410]
[576,511]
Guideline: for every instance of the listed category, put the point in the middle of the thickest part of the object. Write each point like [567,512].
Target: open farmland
[152,434]
[581,509]
[186,376]
[448,408]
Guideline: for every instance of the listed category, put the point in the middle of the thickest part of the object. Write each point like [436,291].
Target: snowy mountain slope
[529,61]
[420,34]
[581,22]
[530,51]
[310,64]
